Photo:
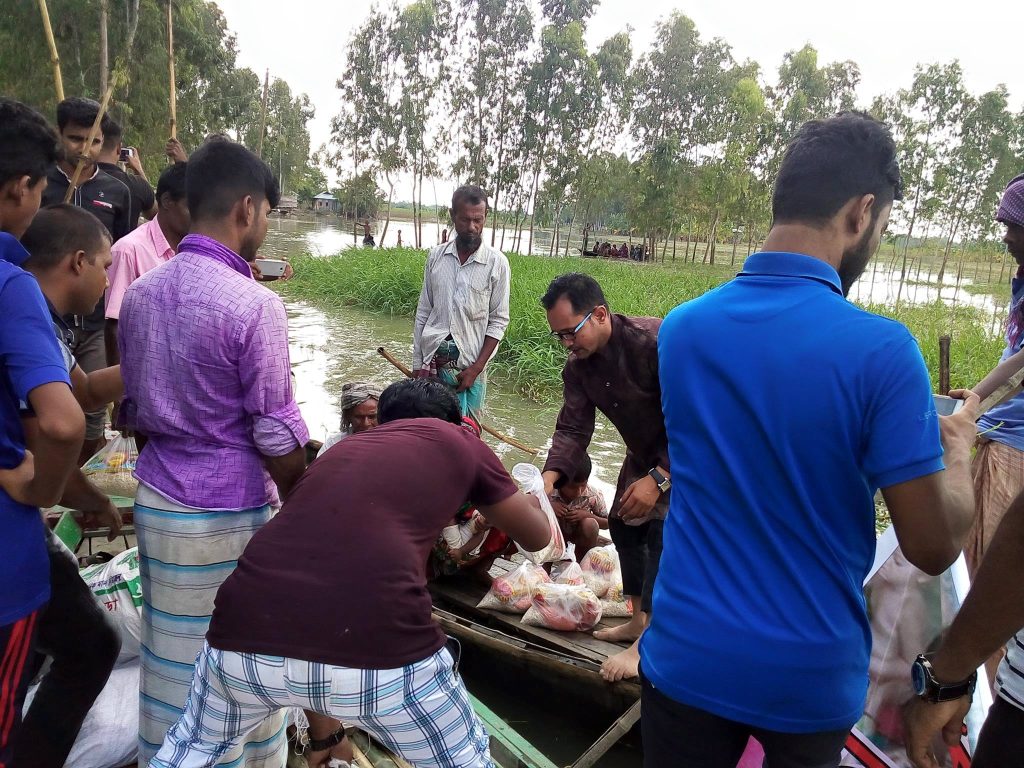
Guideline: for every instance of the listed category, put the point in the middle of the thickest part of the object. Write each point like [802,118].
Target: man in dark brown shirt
[613,368]
[328,608]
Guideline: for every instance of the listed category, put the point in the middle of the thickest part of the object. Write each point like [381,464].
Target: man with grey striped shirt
[463,307]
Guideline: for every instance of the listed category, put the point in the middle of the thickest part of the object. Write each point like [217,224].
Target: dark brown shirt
[621,381]
[339,575]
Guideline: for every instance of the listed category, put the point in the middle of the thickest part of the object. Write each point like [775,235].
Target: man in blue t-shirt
[32,375]
[786,408]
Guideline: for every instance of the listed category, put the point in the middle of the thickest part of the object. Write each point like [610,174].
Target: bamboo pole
[944,365]
[492,432]
[170,67]
[54,56]
[104,51]
[93,133]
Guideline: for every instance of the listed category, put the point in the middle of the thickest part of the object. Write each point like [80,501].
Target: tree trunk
[750,239]
[533,210]
[675,238]
[572,221]
[709,250]
[387,212]
[419,225]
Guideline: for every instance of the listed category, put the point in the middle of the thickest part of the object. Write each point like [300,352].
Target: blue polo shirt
[29,358]
[786,407]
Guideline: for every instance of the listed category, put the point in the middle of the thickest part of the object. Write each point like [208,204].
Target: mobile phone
[946,406]
[271,267]
[126,152]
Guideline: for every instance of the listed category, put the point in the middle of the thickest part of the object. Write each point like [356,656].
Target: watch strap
[663,482]
[936,692]
[315,745]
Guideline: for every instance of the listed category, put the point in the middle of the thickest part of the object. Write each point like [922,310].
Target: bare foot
[622,666]
[624,633]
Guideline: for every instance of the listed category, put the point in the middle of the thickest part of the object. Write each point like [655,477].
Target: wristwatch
[930,689]
[315,745]
[663,482]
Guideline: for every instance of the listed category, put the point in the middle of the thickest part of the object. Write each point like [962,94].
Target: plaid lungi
[421,711]
[998,471]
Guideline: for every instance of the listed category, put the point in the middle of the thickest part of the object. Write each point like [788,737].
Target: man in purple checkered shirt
[204,356]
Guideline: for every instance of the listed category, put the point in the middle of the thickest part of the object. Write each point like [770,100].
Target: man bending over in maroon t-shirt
[328,609]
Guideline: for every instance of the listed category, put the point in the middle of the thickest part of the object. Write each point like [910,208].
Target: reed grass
[388,281]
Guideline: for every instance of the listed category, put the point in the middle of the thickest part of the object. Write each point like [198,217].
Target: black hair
[59,230]
[112,133]
[418,399]
[583,292]
[468,193]
[220,173]
[581,472]
[28,144]
[829,162]
[172,182]
[79,111]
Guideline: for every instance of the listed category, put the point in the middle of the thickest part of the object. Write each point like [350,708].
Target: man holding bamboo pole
[109,200]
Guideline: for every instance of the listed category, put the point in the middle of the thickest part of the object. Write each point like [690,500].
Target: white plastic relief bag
[512,592]
[564,607]
[531,482]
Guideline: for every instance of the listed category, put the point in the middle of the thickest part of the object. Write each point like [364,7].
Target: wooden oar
[1002,383]
[493,432]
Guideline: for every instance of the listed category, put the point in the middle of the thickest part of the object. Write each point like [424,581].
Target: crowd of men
[759,421]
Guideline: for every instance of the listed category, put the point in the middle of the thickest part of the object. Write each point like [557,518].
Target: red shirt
[339,575]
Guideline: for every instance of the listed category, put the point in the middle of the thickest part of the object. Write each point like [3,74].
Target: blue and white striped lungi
[185,554]
[420,711]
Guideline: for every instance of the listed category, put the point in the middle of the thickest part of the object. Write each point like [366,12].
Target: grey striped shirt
[466,301]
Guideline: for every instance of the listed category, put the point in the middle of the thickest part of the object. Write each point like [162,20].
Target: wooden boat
[565,661]
[509,749]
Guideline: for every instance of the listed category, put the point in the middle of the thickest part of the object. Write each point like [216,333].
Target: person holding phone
[113,153]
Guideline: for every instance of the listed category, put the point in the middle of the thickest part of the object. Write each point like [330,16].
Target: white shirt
[466,301]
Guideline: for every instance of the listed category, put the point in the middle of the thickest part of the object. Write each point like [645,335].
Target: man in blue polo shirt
[32,375]
[786,407]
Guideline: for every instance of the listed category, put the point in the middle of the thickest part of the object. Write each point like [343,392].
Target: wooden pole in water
[93,133]
[173,123]
[943,365]
[493,432]
[54,57]
[263,111]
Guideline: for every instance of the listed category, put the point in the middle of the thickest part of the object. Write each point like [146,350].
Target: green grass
[388,281]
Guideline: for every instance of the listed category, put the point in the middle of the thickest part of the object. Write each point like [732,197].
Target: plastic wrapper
[617,609]
[531,481]
[112,467]
[567,572]
[601,570]
[513,592]
[565,607]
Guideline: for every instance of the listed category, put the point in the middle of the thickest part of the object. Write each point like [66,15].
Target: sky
[304,41]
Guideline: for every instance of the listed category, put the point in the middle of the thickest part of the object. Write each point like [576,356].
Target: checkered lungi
[421,711]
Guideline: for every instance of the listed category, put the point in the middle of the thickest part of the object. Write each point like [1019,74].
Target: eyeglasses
[563,335]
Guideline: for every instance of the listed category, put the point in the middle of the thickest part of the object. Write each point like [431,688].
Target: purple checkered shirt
[207,378]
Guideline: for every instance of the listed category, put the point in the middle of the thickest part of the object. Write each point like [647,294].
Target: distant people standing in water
[462,312]
[368,234]
[399,238]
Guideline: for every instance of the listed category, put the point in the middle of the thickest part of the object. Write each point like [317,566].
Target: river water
[330,346]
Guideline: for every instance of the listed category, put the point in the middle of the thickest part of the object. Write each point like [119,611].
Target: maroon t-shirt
[339,575]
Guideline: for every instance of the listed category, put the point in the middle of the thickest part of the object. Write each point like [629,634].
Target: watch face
[919,678]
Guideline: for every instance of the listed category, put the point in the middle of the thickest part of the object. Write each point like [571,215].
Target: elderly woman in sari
[358,411]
